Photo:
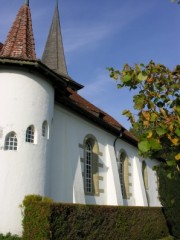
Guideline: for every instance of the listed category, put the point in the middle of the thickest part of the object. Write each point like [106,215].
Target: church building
[55,143]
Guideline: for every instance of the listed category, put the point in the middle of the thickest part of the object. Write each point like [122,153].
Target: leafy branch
[158,104]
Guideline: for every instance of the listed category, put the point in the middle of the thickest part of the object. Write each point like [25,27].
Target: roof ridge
[20,41]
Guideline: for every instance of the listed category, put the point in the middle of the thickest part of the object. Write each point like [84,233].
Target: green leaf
[126,78]
[170,175]
[177,132]
[161,131]
[153,117]
[154,144]
[144,146]
[142,76]
[171,163]
[138,101]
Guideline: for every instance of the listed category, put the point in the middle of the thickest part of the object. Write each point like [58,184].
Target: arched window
[91,167]
[122,163]
[11,141]
[145,175]
[30,134]
[45,129]
[88,168]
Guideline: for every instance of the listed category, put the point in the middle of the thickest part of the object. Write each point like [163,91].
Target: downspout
[114,144]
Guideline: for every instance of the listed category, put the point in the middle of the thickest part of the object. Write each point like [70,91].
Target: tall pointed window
[45,130]
[91,166]
[30,132]
[88,168]
[11,141]
[122,164]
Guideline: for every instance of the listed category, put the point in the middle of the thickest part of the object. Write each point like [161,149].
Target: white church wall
[153,183]
[113,183]
[139,191]
[69,132]
[67,167]
[24,100]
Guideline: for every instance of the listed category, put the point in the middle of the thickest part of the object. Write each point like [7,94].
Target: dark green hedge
[36,211]
[169,190]
[44,221]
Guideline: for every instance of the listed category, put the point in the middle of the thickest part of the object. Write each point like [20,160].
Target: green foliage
[167,238]
[157,101]
[74,221]
[169,190]
[175,1]
[8,236]
[36,212]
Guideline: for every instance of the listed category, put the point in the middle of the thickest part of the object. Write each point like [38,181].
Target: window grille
[88,168]
[11,142]
[121,173]
[45,129]
[30,134]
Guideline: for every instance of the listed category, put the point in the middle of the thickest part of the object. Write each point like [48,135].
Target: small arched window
[122,163]
[88,168]
[11,141]
[45,129]
[30,134]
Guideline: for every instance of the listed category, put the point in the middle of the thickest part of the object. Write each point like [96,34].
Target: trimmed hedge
[36,212]
[169,190]
[54,221]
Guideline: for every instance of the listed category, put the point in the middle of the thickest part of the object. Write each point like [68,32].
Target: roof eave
[37,64]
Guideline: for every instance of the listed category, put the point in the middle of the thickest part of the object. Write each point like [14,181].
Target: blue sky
[105,33]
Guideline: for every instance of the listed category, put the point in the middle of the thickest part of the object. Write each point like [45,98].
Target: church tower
[53,55]
[26,110]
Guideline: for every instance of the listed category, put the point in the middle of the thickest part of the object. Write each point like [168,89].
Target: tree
[157,102]
[175,1]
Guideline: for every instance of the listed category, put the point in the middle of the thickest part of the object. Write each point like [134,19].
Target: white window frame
[88,181]
[11,141]
[30,134]
[121,172]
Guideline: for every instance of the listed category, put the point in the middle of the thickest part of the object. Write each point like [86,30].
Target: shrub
[169,190]
[44,221]
[36,212]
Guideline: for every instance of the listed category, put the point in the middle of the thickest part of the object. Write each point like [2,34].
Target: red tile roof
[102,116]
[20,40]
[89,107]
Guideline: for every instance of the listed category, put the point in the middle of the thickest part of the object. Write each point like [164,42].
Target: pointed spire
[27,2]
[53,55]
[20,40]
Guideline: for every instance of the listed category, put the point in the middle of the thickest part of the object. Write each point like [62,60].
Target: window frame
[45,129]
[88,168]
[95,191]
[123,171]
[30,134]
[11,142]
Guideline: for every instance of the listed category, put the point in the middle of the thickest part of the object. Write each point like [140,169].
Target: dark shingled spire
[53,55]
[20,40]
[27,2]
